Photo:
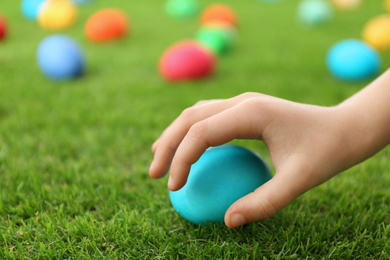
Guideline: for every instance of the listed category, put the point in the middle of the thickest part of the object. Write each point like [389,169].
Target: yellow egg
[377,32]
[387,5]
[57,14]
[346,4]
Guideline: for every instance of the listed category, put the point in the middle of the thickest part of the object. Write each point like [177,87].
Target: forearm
[368,117]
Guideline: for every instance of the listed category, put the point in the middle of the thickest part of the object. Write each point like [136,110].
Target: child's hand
[308,145]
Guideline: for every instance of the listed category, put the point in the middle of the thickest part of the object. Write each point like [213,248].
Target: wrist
[364,128]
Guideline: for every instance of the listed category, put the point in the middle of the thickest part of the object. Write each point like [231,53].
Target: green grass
[74,155]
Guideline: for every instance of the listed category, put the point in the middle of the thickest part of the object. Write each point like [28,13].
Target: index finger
[237,122]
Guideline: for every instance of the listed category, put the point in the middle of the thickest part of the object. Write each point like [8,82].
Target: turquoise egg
[30,8]
[314,12]
[221,176]
[353,60]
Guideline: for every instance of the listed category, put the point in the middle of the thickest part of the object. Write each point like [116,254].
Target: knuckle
[247,95]
[198,129]
[187,114]
[266,208]
[201,102]
[253,103]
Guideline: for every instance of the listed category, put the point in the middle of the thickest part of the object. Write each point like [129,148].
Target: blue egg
[314,12]
[60,57]
[353,60]
[30,8]
[221,176]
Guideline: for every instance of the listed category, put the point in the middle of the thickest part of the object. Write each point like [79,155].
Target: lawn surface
[74,155]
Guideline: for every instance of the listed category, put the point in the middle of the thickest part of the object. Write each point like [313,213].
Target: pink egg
[186,60]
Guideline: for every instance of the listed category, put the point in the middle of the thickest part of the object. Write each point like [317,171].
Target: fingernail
[237,220]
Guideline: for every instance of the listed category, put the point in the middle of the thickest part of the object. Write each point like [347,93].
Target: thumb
[265,201]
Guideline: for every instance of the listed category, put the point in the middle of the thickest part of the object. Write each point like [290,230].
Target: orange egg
[106,25]
[219,13]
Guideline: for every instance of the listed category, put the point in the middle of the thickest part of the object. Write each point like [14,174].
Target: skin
[308,144]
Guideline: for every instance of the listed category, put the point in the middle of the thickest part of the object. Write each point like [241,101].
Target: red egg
[3,28]
[186,60]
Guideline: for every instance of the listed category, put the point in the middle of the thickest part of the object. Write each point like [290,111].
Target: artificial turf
[74,155]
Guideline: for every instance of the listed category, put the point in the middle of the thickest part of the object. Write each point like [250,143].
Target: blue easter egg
[353,60]
[314,12]
[60,57]
[30,8]
[221,176]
